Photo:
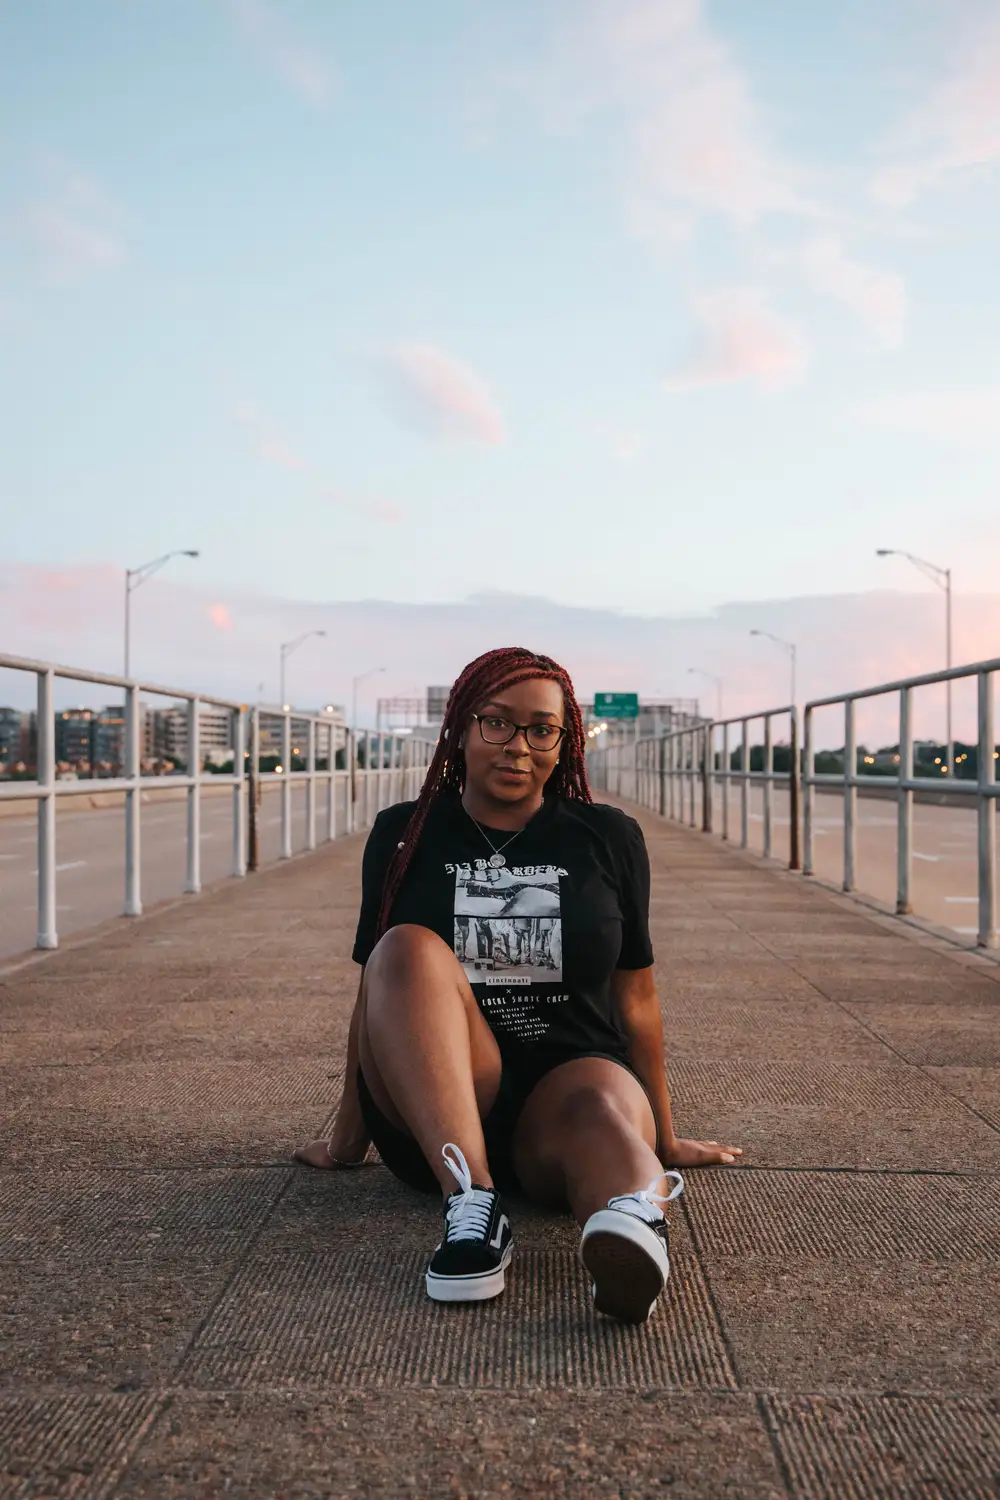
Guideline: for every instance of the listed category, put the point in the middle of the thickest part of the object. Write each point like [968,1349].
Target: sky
[629,305]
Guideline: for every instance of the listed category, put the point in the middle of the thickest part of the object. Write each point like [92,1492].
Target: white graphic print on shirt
[508,924]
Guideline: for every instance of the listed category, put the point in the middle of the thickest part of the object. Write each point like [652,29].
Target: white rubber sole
[479,1288]
[627,1262]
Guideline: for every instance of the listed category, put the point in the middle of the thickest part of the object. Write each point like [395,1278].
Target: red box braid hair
[478,683]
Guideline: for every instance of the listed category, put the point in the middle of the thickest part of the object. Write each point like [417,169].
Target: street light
[700,672]
[789,647]
[133,578]
[942,577]
[372,672]
[287,648]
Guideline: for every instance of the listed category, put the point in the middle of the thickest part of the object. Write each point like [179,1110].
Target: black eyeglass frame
[523,728]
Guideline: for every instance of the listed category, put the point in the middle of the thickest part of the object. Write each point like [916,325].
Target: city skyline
[610,303]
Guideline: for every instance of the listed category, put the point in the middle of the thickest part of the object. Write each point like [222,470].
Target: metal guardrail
[674,774]
[983,791]
[664,774]
[390,764]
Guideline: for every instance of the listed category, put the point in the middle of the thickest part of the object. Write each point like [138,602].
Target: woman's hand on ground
[689,1153]
[323,1154]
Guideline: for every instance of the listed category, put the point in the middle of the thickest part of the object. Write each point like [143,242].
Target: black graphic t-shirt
[538,938]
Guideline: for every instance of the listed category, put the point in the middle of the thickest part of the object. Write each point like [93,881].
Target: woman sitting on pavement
[507,1031]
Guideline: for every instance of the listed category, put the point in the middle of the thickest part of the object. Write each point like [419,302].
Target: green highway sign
[616,705]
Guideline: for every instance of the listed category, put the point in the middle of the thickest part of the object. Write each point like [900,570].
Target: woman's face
[514,772]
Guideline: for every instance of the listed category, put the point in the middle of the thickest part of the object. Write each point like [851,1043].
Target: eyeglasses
[498,731]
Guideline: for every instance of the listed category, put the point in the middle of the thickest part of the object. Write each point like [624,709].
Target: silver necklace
[496,860]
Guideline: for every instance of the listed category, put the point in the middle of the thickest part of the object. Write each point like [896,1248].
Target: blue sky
[645,304]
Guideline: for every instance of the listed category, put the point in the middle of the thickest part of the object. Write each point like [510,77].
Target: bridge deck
[186,1313]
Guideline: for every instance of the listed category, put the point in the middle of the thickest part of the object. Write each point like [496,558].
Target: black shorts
[404,1158]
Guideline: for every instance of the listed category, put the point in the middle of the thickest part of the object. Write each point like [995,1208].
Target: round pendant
[497,861]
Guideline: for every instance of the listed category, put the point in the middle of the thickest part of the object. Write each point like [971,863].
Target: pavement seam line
[238,1265]
[734,1364]
[766,1415]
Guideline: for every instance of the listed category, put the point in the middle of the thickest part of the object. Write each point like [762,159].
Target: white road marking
[11,856]
[969,931]
[73,864]
[963,900]
[931,859]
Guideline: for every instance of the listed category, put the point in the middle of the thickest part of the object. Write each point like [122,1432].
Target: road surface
[90,855]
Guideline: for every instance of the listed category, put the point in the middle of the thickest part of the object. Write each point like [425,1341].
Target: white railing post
[45,754]
[133,798]
[987,814]
[904,809]
[745,786]
[256,791]
[692,752]
[311,784]
[350,753]
[808,792]
[768,773]
[192,883]
[239,794]
[286,783]
[331,785]
[725,768]
[850,792]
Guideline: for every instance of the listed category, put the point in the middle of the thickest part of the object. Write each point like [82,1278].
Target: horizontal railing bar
[28,791]
[916,784]
[948,674]
[77,674]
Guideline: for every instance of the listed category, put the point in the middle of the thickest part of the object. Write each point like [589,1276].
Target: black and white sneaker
[469,1263]
[624,1248]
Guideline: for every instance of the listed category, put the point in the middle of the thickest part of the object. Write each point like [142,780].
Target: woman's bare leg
[586,1134]
[429,1059]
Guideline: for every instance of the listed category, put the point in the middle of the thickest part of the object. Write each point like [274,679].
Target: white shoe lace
[647,1203]
[468,1213]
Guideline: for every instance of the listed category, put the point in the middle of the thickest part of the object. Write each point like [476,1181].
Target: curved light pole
[789,646]
[942,577]
[700,672]
[287,647]
[133,578]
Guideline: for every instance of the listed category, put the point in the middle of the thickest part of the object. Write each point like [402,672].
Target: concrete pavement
[185,1313]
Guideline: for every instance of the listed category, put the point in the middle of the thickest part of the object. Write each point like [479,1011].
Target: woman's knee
[405,948]
[590,1106]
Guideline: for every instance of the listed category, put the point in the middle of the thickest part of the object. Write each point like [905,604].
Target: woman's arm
[349,1139]
[639,1008]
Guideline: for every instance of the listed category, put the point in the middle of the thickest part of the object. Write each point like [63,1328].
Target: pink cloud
[622,445]
[74,227]
[376,510]
[273,449]
[695,142]
[220,617]
[443,396]
[955,129]
[276,452]
[741,338]
[879,297]
[302,68]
